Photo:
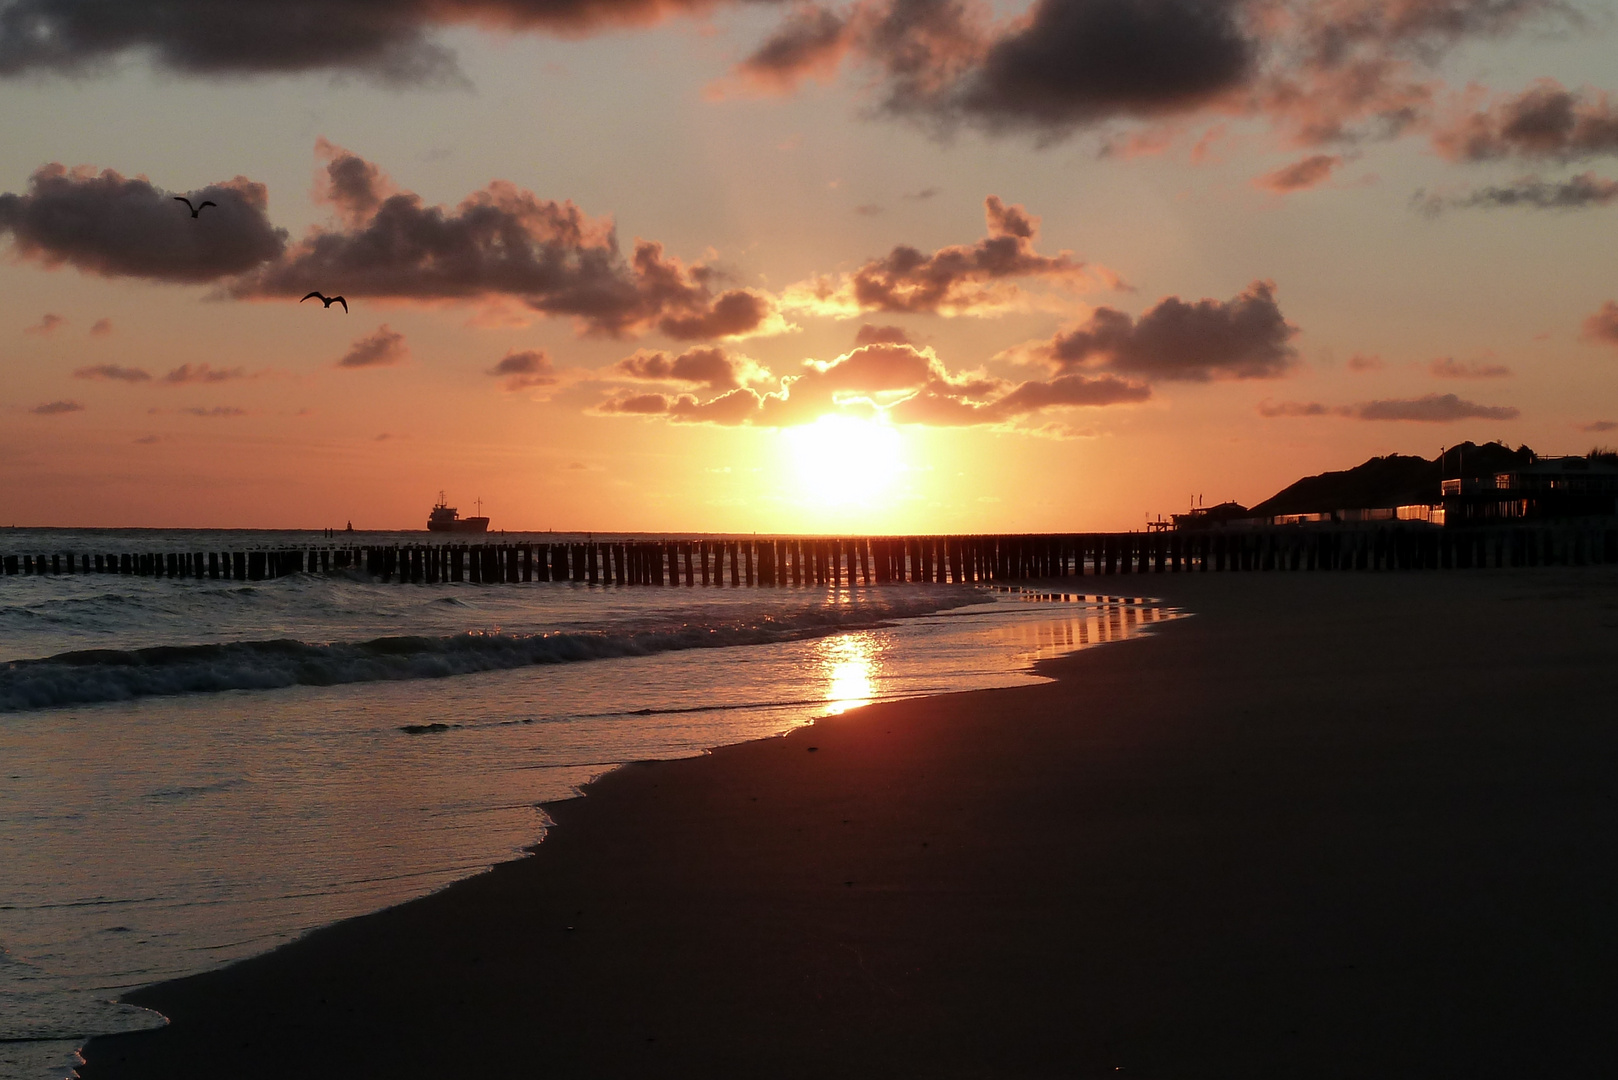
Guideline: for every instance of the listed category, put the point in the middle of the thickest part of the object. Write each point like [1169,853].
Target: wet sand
[1334,825]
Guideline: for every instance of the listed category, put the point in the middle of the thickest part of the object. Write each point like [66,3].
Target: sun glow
[844,460]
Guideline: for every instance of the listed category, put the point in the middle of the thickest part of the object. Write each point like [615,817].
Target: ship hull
[460,525]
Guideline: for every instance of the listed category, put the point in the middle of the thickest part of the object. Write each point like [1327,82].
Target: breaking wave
[103,675]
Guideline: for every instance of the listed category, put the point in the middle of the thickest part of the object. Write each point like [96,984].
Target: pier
[777,562]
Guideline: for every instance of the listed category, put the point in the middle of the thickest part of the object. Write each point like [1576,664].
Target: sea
[196,771]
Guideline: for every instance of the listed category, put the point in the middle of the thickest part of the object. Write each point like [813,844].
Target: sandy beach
[1333,825]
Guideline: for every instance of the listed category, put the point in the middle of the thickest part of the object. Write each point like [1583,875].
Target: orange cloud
[1300,175]
[48,324]
[384,348]
[1447,367]
[1603,325]
[963,279]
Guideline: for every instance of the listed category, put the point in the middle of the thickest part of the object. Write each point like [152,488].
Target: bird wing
[343,302]
[207,202]
[182,198]
[312,296]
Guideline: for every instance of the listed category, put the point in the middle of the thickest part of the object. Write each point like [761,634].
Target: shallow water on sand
[219,802]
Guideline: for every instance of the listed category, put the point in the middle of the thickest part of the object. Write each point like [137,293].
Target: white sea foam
[90,676]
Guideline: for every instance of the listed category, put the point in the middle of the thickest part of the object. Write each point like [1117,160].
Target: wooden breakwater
[830,561]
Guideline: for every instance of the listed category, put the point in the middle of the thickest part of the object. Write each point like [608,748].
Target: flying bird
[195,210]
[328,301]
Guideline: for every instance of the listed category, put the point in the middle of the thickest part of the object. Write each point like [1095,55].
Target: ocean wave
[94,676]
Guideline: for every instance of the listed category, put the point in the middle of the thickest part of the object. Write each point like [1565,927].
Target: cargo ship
[445,518]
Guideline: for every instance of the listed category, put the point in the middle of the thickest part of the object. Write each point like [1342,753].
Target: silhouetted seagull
[195,210]
[327,300]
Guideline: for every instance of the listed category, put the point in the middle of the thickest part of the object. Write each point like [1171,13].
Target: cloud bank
[388,40]
[502,242]
[908,385]
[1320,73]
[1427,409]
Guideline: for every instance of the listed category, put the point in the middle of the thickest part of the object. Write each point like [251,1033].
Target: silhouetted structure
[1544,489]
[843,562]
[1397,487]
[1209,517]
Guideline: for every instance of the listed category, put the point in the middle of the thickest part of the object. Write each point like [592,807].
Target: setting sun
[844,460]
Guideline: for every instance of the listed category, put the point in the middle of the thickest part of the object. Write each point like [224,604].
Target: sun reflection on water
[847,664]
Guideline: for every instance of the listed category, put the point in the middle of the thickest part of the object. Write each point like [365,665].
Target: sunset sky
[885,266]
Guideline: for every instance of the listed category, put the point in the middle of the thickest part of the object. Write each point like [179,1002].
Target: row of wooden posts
[876,560]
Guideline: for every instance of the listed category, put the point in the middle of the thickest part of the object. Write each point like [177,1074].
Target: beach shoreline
[1329,844]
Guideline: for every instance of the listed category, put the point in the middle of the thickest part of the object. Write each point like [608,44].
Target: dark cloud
[810,43]
[47,324]
[1078,61]
[1432,409]
[1576,193]
[710,367]
[202,373]
[354,187]
[959,279]
[734,313]
[57,408]
[101,328]
[1447,367]
[1597,427]
[1545,121]
[1603,325]
[386,39]
[113,372]
[525,369]
[942,61]
[1362,362]
[381,349]
[1300,175]
[922,195]
[1246,337]
[114,226]
[907,384]
[869,334]
[502,241]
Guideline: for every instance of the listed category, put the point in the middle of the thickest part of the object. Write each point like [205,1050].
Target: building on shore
[1545,489]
